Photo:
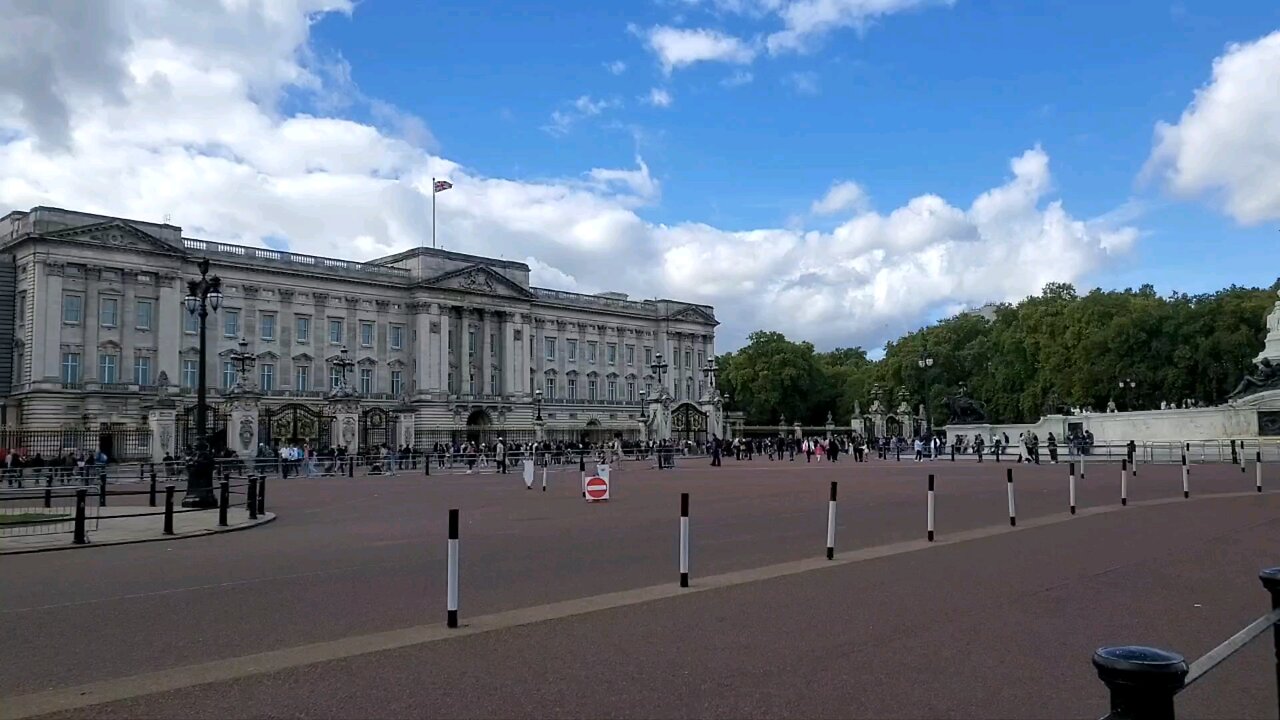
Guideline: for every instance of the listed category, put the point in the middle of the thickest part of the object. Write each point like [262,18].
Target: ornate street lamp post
[659,367]
[1126,386]
[644,406]
[203,296]
[245,361]
[537,405]
[925,363]
[343,363]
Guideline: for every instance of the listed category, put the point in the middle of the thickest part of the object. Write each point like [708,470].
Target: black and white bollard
[930,520]
[1071,486]
[544,478]
[1124,481]
[1186,480]
[451,602]
[684,540]
[1257,469]
[1013,513]
[831,523]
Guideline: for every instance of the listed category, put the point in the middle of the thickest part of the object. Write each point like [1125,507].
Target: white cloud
[739,78]
[842,197]
[808,20]
[563,120]
[680,47]
[617,67]
[227,165]
[804,83]
[1227,142]
[659,97]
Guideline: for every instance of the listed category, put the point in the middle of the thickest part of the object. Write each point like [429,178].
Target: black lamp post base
[200,484]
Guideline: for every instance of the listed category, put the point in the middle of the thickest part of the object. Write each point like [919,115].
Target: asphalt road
[352,557]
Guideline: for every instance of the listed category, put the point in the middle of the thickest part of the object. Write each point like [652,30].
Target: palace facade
[92,308]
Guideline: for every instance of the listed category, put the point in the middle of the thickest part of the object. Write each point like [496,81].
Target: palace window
[366,381]
[109,368]
[335,378]
[689,388]
[335,331]
[701,360]
[397,337]
[648,356]
[302,329]
[591,390]
[612,353]
[268,323]
[190,370]
[230,323]
[145,313]
[550,391]
[591,352]
[550,348]
[72,309]
[631,354]
[611,390]
[229,375]
[493,383]
[366,334]
[70,367]
[471,382]
[190,322]
[267,377]
[142,370]
[688,359]
[471,341]
[631,391]
[397,382]
[571,350]
[109,312]
[573,388]
[301,378]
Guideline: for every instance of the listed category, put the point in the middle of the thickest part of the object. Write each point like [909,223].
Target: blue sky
[840,170]
[930,100]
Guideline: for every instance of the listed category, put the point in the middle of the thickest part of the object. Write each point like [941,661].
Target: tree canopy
[1051,350]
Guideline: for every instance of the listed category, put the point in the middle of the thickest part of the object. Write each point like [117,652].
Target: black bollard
[1271,581]
[262,494]
[102,488]
[78,535]
[351,466]
[48,493]
[1234,458]
[141,468]
[168,509]
[1142,680]
[426,463]
[582,461]
[151,494]
[251,502]
[953,453]
[224,501]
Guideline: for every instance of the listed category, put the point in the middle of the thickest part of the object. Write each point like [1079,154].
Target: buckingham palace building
[459,345]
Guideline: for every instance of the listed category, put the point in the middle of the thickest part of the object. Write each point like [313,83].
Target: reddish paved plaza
[1001,624]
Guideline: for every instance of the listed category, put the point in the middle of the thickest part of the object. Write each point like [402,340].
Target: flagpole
[433,213]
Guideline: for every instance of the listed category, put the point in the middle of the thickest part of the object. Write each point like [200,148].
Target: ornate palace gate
[688,423]
[215,425]
[294,423]
[378,427]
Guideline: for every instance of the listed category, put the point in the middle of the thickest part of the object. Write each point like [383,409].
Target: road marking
[105,691]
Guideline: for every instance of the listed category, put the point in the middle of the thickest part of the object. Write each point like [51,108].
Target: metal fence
[118,444]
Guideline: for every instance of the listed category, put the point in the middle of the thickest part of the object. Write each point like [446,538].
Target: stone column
[167,327]
[46,358]
[482,345]
[464,353]
[443,320]
[426,373]
[162,419]
[346,423]
[510,383]
[242,422]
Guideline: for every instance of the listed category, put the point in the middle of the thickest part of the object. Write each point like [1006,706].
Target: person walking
[500,455]
[919,446]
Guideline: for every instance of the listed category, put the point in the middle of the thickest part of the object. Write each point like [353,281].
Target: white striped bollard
[831,523]
[1071,487]
[452,601]
[1013,513]
[930,522]
[1257,469]
[544,478]
[1124,481]
[1186,479]
[684,540]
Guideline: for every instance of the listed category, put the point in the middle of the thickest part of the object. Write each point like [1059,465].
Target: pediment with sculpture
[115,234]
[480,279]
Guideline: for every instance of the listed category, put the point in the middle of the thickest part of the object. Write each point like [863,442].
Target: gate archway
[689,423]
[480,427]
[295,423]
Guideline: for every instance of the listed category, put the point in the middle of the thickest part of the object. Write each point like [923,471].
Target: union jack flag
[442,185]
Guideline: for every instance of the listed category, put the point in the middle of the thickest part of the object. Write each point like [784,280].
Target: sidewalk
[106,528]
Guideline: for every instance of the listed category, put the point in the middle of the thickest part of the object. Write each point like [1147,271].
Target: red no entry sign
[597,488]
